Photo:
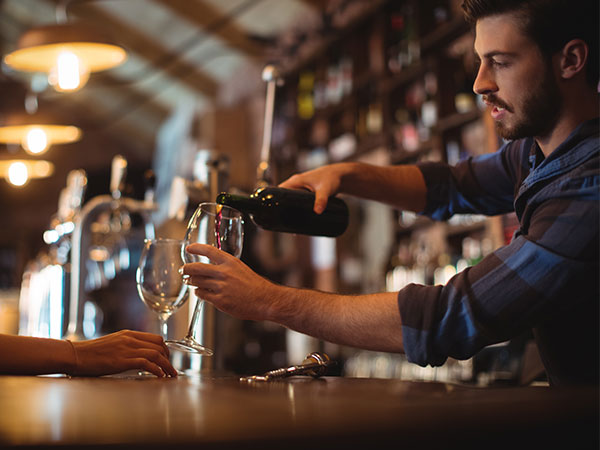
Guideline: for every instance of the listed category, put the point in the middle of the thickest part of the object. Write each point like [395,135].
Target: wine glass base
[189,346]
[145,374]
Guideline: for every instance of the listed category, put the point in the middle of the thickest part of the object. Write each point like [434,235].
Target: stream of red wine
[218,218]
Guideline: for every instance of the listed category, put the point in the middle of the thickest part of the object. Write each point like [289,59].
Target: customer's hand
[121,351]
[324,182]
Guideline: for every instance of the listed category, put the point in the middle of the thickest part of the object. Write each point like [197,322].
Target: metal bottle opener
[315,365]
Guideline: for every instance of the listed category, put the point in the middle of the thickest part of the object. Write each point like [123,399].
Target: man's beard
[538,113]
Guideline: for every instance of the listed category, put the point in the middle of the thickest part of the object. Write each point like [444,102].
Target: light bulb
[17,174]
[69,73]
[35,141]
[50,236]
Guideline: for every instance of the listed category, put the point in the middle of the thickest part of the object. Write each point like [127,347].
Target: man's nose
[484,82]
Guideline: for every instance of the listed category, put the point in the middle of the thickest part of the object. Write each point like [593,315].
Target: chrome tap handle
[117,176]
[315,365]
[272,77]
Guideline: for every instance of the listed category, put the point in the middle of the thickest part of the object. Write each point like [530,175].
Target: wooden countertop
[329,412]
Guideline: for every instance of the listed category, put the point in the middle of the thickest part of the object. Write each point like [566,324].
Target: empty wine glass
[221,227]
[158,280]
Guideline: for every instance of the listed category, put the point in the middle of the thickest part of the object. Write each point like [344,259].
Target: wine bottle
[290,211]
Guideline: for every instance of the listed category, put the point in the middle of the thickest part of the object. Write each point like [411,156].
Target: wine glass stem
[163,327]
[195,318]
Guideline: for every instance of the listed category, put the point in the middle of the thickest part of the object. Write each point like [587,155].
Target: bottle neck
[239,202]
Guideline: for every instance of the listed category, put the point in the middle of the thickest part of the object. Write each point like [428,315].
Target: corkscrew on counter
[315,365]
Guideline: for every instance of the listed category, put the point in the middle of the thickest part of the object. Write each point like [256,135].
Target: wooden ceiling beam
[149,49]
[96,125]
[318,5]
[205,16]
[129,95]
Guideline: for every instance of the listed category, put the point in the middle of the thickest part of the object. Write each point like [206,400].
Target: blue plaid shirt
[546,279]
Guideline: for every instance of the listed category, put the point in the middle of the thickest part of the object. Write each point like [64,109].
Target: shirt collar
[582,131]
[577,148]
[536,156]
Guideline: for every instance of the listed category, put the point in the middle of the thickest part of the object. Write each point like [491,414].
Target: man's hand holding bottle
[324,181]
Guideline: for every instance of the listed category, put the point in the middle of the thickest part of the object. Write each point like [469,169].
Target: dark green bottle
[290,211]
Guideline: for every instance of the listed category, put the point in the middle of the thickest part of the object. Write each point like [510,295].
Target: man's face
[514,79]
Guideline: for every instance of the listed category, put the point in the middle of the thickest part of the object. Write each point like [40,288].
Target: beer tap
[271,76]
[44,290]
[115,203]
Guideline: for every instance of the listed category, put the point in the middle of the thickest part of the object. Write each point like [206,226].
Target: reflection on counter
[387,365]
[508,363]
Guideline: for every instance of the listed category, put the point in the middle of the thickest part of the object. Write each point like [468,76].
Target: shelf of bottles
[382,83]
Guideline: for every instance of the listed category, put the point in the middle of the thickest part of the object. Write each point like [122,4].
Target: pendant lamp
[67,52]
[35,133]
[19,171]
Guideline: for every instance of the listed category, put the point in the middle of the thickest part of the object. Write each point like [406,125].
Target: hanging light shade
[68,53]
[19,171]
[36,133]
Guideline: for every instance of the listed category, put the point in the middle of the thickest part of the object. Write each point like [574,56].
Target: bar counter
[298,412]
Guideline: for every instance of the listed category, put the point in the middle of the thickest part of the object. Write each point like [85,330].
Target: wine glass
[159,283]
[221,227]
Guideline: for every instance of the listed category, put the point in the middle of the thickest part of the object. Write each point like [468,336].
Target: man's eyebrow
[493,53]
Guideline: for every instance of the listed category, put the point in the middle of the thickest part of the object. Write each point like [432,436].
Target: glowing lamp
[68,53]
[35,140]
[19,171]
[36,133]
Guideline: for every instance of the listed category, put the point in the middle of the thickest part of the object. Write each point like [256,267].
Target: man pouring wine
[538,73]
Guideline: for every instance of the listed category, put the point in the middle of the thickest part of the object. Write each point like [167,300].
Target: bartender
[538,74]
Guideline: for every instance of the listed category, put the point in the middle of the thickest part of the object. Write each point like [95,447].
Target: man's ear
[573,57]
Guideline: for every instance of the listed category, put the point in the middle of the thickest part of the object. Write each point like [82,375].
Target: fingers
[209,295]
[303,181]
[151,357]
[320,202]
[152,348]
[209,284]
[121,351]
[141,339]
[201,270]
[294,182]
[148,366]
[148,337]
[215,255]
[157,359]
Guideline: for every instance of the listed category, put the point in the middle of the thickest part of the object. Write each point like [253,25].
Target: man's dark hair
[549,23]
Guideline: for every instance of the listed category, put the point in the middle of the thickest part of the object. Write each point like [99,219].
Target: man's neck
[555,137]
[576,111]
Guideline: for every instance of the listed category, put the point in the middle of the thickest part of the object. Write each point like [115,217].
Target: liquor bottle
[404,31]
[374,119]
[290,211]
[306,106]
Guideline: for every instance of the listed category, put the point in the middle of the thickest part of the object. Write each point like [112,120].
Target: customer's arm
[117,352]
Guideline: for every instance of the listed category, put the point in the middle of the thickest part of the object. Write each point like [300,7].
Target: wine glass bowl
[217,225]
[158,281]
[222,227]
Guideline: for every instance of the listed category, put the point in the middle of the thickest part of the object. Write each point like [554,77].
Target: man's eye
[497,63]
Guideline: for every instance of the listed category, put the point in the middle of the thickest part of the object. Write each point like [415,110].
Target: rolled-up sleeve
[480,185]
[550,266]
[503,295]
